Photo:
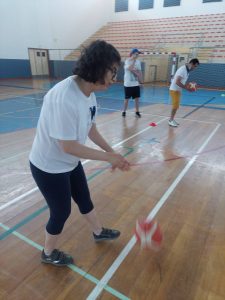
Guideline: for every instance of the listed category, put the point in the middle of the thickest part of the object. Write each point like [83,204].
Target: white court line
[21,153]
[83,163]
[11,157]
[26,194]
[113,109]
[23,97]
[163,116]
[18,198]
[20,110]
[110,272]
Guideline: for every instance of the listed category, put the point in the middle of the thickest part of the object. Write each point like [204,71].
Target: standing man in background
[132,79]
[178,83]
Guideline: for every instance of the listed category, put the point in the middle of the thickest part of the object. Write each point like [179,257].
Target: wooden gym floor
[177,177]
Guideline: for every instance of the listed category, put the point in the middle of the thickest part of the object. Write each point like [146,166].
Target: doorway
[152,73]
[39,61]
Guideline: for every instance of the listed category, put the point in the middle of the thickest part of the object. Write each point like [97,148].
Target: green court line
[39,211]
[23,222]
[72,267]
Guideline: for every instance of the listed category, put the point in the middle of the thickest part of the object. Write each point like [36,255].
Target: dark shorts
[132,92]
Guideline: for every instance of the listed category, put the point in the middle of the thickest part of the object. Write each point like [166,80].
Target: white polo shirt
[183,73]
[66,114]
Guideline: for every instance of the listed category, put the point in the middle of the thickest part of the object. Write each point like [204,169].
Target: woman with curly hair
[67,118]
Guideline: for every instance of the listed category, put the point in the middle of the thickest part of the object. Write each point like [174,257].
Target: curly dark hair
[96,60]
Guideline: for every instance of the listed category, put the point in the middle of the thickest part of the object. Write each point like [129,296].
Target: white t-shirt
[183,73]
[130,79]
[66,114]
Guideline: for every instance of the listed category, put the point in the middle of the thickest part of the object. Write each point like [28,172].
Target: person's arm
[98,139]
[129,64]
[82,151]
[138,74]
[180,84]
[137,71]
[131,67]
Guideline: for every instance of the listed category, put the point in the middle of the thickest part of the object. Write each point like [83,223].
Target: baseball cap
[135,50]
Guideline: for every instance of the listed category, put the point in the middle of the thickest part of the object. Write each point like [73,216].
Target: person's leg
[175,96]
[50,242]
[93,222]
[81,195]
[126,100]
[125,105]
[136,96]
[173,113]
[137,104]
[56,191]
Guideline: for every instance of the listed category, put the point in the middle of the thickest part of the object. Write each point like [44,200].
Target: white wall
[67,23]
[187,8]
[49,24]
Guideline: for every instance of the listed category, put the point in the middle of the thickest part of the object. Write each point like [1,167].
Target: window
[206,1]
[145,4]
[121,5]
[171,3]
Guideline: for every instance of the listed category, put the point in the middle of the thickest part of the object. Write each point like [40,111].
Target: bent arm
[98,139]
[82,151]
[138,74]
[180,84]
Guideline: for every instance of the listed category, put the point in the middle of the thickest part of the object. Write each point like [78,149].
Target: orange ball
[148,234]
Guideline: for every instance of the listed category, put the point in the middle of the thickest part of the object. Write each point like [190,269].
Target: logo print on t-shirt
[93,111]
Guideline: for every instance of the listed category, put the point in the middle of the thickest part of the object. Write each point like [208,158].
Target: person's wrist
[111,151]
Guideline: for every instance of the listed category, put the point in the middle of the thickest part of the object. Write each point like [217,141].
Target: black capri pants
[58,189]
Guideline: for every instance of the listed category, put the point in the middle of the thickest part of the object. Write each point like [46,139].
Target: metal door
[39,62]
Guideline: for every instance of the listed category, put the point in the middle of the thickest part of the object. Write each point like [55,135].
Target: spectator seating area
[201,35]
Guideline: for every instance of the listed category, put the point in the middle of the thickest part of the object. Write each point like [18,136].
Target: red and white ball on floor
[192,86]
[148,234]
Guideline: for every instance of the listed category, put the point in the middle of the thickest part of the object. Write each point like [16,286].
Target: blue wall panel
[209,75]
[60,68]
[15,68]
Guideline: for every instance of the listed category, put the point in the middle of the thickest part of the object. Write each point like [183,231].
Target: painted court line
[42,209]
[20,110]
[72,267]
[18,198]
[83,163]
[110,272]
[162,116]
[197,108]
[21,153]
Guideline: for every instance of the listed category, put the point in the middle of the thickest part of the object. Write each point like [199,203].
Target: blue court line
[42,209]
[71,266]
[197,108]
[208,107]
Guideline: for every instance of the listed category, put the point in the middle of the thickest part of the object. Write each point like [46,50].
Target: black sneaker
[107,234]
[57,258]
[123,114]
[138,115]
